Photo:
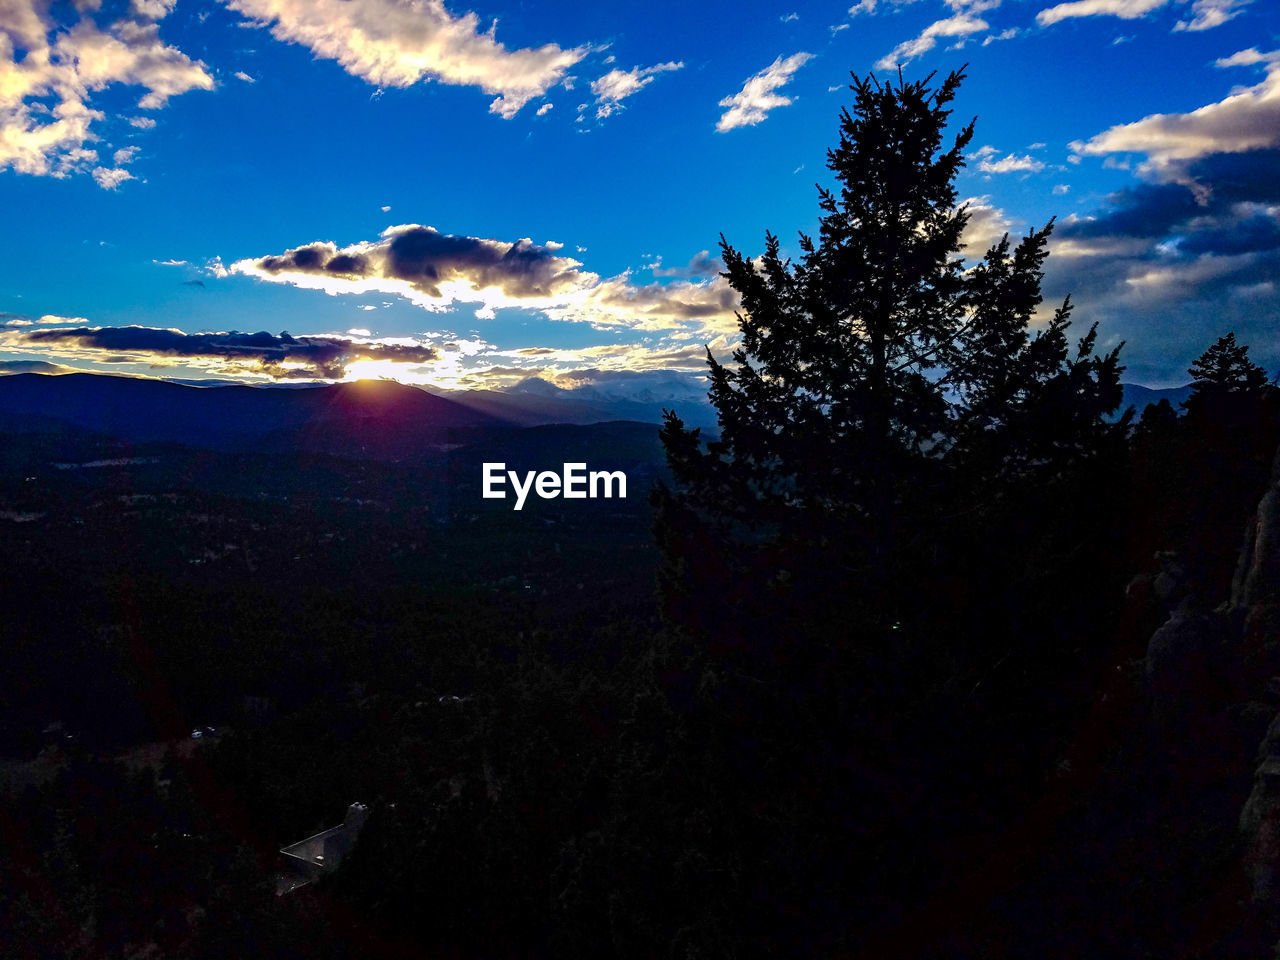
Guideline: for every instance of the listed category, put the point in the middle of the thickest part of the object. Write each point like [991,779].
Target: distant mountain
[381,420]
[536,402]
[369,419]
[1138,397]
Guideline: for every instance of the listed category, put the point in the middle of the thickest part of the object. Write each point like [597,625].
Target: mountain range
[370,419]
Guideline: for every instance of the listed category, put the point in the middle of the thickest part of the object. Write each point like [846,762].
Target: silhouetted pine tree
[889,559]
[1231,432]
[879,389]
[1224,370]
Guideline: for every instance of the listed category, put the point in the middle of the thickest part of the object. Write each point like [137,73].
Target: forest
[930,648]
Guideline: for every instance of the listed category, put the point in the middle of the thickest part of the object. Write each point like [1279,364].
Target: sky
[468,194]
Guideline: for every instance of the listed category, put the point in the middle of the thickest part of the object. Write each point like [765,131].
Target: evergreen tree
[1223,370]
[879,385]
[1231,429]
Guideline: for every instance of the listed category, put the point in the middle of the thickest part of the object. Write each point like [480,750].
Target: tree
[879,385]
[1230,433]
[1223,370]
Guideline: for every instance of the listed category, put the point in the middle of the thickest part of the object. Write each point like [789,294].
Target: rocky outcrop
[1255,609]
[1183,668]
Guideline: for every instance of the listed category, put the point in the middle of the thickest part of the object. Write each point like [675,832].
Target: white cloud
[616,85]
[792,17]
[396,43]
[545,109]
[1247,58]
[1124,9]
[124,155]
[1002,35]
[142,123]
[752,103]
[1212,13]
[1248,119]
[1011,164]
[41,58]
[151,9]
[109,179]
[1206,14]
[862,6]
[1061,189]
[986,225]
[963,22]
[241,75]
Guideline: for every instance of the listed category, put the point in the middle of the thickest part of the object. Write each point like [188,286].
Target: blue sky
[471,195]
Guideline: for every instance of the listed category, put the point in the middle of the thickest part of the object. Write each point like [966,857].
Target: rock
[1183,665]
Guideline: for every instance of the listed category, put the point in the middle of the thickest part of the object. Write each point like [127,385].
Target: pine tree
[1230,433]
[878,383]
[1222,371]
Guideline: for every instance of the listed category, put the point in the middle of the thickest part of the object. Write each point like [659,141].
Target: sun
[389,370]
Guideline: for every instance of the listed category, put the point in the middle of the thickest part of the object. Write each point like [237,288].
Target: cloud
[701,265]
[48,319]
[241,75]
[1206,14]
[542,112]
[963,22]
[752,103]
[1212,13]
[42,60]
[1247,119]
[1008,34]
[1124,9]
[1011,164]
[396,43]
[1168,266]
[862,6]
[142,123]
[666,372]
[616,85]
[435,271]
[279,356]
[987,224]
[109,179]
[1247,58]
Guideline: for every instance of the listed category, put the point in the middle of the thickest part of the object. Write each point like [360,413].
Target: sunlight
[390,369]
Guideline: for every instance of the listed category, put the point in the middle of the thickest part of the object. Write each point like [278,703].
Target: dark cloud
[1170,267]
[425,258]
[436,270]
[1253,175]
[1255,234]
[1216,214]
[1144,211]
[306,357]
